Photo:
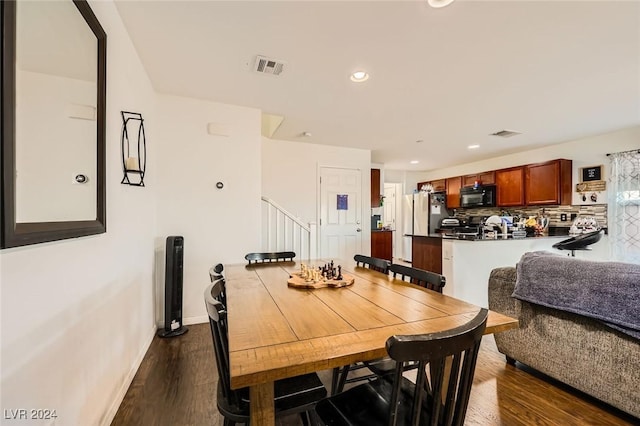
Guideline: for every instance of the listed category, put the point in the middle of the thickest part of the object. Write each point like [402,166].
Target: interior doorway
[393,214]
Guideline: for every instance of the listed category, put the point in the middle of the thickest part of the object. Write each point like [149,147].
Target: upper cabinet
[484,178]
[375,188]
[439,185]
[453,192]
[548,183]
[510,187]
[540,184]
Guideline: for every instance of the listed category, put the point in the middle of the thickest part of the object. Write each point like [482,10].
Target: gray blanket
[607,291]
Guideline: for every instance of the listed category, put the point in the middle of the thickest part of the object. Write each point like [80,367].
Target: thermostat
[80,178]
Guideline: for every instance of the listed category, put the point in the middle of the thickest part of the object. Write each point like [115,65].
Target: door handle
[358,230]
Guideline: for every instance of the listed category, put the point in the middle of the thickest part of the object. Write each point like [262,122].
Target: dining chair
[216,272]
[373,263]
[439,396]
[427,279]
[293,395]
[279,256]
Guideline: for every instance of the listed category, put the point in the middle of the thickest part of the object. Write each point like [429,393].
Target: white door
[390,205]
[340,213]
[390,210]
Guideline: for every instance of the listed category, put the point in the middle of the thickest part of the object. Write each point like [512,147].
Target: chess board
[295,280]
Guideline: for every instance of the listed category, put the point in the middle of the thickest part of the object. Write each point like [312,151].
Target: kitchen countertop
[541,237]
[383,230]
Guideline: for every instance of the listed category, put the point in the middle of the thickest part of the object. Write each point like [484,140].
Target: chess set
[320,277]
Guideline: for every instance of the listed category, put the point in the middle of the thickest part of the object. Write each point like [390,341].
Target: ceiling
[448,77]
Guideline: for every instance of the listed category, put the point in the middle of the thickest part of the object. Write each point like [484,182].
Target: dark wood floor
[176,382]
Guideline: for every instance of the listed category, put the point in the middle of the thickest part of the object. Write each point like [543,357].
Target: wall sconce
[134,154]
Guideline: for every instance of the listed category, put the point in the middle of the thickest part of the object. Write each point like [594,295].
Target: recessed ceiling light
[419,141]
[359,76]
[473,146]
[439,3]
[414,161]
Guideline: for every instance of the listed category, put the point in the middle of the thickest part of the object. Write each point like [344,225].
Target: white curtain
[624,206]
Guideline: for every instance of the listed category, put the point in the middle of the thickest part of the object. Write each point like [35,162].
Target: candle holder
[134,158]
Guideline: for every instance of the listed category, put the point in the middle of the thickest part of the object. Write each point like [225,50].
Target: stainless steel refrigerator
[437,210]
[415,220]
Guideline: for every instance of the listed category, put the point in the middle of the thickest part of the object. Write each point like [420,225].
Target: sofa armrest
[502,282]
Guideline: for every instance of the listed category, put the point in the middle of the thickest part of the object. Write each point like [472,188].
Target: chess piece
[339,273]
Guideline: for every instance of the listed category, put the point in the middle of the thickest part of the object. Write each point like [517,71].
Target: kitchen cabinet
[510,187]
[439,185]
[375,188]
[453,192]
[382,244]
[426,253]
[548,183]
[484,178]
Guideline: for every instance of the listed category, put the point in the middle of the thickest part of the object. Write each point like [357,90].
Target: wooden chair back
[441,396]
[374,263]
[220,336]
[280,256]
[423,278]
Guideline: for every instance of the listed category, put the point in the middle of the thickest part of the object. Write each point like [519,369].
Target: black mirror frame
[20,234]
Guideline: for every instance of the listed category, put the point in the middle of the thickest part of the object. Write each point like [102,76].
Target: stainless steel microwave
[479,196]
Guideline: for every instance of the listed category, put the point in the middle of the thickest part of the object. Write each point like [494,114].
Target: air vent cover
[506,133]
[266,65]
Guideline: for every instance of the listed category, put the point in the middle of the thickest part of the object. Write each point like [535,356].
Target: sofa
[579,351]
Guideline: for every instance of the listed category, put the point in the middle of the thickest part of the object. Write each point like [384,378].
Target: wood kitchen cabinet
[439,185]
[375,188]
[426,253]
[548,183]
[484,178]
[510,187]
[382,244]
[453,192]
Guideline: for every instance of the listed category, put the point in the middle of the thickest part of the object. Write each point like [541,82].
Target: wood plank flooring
[176,385]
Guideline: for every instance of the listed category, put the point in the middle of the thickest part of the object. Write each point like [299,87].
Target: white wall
[77,315]
[290,177]
[218,225]
[584,152]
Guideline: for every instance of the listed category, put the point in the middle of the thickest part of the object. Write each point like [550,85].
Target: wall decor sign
[589,174]
[598,185]
[343,202]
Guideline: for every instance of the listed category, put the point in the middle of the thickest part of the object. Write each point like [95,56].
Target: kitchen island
[467,264]
[426,252]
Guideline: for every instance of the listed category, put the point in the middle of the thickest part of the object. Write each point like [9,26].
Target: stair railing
[282,231]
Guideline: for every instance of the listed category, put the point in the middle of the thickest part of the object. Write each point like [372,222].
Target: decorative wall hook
[134,153]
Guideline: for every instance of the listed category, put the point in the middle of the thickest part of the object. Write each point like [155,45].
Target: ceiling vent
[506,133]
[266,65]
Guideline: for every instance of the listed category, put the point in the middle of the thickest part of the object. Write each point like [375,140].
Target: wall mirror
[53,121]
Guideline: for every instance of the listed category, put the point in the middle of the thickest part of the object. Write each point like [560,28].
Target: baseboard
[107,419]
[195,320]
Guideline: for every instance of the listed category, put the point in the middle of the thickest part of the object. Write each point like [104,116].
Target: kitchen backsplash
[553,212]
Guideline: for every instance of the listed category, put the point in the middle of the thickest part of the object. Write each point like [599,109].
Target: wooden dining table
[277,332]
